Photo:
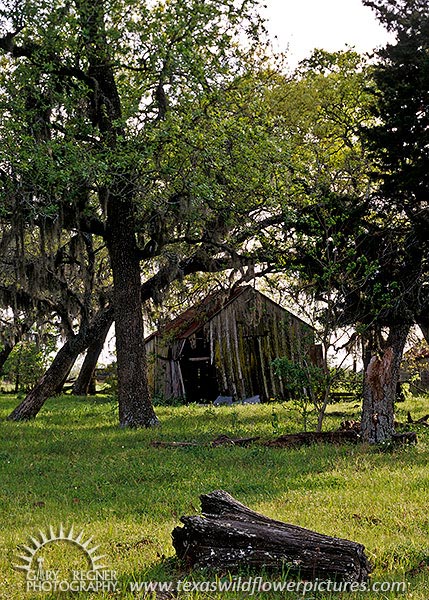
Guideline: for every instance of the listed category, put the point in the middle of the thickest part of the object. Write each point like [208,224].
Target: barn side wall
[164,376]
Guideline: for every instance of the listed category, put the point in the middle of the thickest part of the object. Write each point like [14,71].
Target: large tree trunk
[230,536]
[379,390]
[118,199]
[60,368]
[60,386]
[85,383]
[135,406]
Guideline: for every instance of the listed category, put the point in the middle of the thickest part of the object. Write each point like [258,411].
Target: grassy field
[73,465]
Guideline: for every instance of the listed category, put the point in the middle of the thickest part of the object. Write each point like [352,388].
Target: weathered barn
[225,346]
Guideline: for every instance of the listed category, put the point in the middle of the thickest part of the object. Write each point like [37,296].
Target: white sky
[329,24]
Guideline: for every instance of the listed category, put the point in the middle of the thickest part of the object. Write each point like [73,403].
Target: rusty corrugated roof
[192,319]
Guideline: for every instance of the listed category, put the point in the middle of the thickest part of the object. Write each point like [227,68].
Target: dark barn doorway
[199,375]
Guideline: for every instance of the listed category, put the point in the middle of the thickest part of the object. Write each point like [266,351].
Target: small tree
[25,365]
[323,107]
[305,383]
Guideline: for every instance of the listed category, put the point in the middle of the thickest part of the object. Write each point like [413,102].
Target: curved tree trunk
[379,390]
[4,354]
[60,368]
[48,385]
[85,383]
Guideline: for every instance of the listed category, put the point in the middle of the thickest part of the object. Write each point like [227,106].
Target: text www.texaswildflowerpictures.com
[255,585]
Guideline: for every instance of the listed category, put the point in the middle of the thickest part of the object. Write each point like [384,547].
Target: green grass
[73,465]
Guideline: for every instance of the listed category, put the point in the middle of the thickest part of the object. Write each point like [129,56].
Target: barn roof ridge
[195,317]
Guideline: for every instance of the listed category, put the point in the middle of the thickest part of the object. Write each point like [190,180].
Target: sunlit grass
[73,465]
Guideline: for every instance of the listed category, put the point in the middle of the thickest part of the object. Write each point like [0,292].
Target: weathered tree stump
[230,535]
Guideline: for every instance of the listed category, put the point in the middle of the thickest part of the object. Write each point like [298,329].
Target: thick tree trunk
[85,383]
[4,354]
[60,386]
[60,368]
[379,390]
[231,536]
[118,199]
[135,405]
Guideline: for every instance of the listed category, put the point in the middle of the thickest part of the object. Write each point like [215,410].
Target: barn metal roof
[192,319]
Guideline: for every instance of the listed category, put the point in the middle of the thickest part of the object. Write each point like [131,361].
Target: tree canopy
[142,126]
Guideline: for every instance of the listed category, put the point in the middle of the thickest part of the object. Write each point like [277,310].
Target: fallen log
[410,437]
[308,438]
[222,440]
[230,536]
[344,435]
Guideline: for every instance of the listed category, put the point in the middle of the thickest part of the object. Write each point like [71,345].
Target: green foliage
[110,378]
[191,121]
[305,382]
[347,381]
[25,365]
[275,422]
[399,138]
[299,378]
[160,400]
[398,141]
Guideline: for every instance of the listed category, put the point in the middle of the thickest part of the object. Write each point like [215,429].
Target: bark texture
[48,385]
[60,387]
[135,406]
[229,535]
[379,390]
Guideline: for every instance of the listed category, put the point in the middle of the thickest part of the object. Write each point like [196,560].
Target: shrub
[25,365]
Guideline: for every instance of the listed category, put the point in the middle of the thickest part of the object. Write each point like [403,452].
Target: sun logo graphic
[42,561]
